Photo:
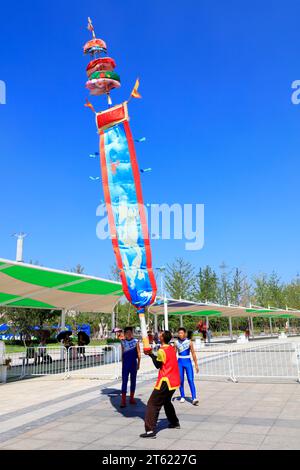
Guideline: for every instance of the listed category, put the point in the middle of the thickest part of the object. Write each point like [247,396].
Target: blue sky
[216,111]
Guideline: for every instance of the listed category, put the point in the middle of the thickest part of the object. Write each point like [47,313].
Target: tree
[100,323]
[22,321]
[114,274]
[261,290]
[180,279]
[225,287]
[291,294]
[206,285]
[240,289]
[79,269]
[276,291]
[269,291]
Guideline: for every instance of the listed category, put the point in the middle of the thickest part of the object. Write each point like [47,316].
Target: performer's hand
[197,370]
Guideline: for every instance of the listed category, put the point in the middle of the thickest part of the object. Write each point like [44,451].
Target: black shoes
[174,426]
[149,434]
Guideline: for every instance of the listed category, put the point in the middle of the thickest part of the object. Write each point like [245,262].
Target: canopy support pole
[181,321]
[62,328]
[113,319]
[252,328]
[155,323]
[166,319]
[271,328]
[63,320]
[230,328]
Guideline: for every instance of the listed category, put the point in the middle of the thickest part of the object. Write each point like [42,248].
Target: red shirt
[169,372]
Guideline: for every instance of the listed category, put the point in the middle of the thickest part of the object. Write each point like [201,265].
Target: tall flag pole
[122,184]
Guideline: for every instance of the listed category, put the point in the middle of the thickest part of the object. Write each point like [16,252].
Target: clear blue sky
[216,110]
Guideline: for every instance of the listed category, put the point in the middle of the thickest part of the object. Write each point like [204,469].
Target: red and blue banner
[126,211]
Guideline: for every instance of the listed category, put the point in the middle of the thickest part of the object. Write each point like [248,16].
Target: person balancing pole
[167,382]
[131,358]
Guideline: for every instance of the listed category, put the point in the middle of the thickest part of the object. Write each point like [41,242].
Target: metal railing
[76,361]
[280,360]
[15,368]
[268,361]
[46,361]
[94,361]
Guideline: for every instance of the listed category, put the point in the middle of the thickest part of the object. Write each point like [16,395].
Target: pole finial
[91,27]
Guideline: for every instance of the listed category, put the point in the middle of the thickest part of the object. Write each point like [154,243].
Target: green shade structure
[30,286]
[209,309]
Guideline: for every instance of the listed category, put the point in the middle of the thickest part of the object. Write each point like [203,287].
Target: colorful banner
[126,211]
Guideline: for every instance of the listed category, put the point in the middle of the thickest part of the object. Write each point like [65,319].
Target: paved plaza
[50,413]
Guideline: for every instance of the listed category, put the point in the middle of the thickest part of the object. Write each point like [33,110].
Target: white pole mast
[20,244]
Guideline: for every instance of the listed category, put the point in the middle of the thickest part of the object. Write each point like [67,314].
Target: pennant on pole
[135,93]
[89,105]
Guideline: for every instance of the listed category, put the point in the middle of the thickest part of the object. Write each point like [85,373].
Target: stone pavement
[85,414]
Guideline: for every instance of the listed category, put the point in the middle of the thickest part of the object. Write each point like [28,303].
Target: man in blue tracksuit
[185,349]
[131,357]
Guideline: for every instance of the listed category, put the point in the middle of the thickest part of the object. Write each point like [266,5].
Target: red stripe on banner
[111,219]
[142,210]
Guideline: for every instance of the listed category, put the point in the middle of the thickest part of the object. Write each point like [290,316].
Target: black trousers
[158,399]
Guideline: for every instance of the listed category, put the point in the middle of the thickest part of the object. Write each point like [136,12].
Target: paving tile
[74,426]
[243,438]
[256,421]
[281,441]
[213,426]
[119,440]
[216,418]
[62,446]
[192,445]
[288,423]
[231,446]
[286,431]
[61,436]
[159,443]
[26,444]
[99,446]
[108,428]
[199,434]
[250,429]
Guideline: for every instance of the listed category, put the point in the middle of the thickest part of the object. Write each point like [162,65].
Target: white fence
[280,360]
[88,361]
[94,361]
[269,361]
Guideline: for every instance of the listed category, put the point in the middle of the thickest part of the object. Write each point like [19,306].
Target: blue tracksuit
[129,365]
[185,364]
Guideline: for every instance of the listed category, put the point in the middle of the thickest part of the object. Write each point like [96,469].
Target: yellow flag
[135,93]
[89,105]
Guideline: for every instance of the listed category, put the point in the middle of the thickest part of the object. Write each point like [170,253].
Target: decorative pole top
[100,71]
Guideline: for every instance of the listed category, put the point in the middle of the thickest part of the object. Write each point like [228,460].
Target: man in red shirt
[167,382]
